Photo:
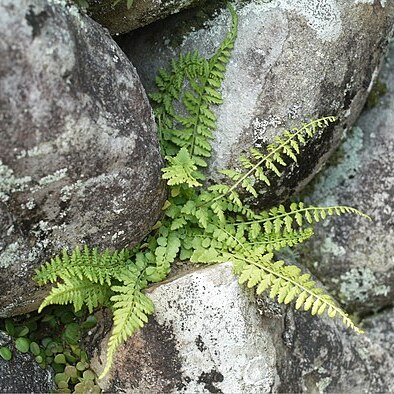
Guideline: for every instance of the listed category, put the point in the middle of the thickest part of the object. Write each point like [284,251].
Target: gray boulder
[353,257]
[292,61]
[209,334]
[22,374]
[79,158]
[121,19]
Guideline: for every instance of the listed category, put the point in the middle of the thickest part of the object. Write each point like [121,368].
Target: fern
[130,311]
[204,225]
[193,130]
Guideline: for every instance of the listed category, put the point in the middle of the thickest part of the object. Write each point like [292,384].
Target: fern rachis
[203,225]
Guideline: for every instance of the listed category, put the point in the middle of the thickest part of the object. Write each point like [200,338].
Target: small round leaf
[22,344]
[34,348]
[60,359]
[5,353]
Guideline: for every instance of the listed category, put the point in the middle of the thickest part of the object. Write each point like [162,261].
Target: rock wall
[355,258]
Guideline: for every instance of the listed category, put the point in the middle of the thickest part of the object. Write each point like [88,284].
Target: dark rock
[291,62]
[351,256]
[120,19]
[79,158]
[22,374]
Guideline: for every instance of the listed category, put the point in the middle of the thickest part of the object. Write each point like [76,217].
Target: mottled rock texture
[22,374]
[209,334]
[292,61]
[121,19]
[353,257]
[79,158]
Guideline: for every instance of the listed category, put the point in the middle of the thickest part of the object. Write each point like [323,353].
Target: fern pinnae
[130,312]
[300,214]
[286,145]
[289,286]
[78,292]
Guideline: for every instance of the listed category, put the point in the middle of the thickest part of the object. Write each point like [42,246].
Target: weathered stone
[22,374]
[79,158]
[292,61]
[209,334]
[354,257]
[121,19]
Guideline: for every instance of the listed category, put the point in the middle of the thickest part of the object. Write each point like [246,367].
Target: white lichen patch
[9,183]
[55,177]
[210,335]
[10,255]
[360,283]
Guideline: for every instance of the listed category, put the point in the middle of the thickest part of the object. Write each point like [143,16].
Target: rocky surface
[79,158]
[290,63]
[22,374]
[121,19]
[354,257]
[209,335]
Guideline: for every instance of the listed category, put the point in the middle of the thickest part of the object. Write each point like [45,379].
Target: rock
[209,334]
[80,162]
[22,374]
[121,19]
[351,256]
[290,63]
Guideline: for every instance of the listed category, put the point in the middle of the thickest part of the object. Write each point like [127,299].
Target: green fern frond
[286,284]
[90,264]
[193,129]
[130,313]
[78,292]
[181,169]
[263,163]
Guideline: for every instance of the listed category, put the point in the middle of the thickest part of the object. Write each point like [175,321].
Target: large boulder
[120,18]
[22,374]
[354,258]
[208,334]
[292,61]
[79,157]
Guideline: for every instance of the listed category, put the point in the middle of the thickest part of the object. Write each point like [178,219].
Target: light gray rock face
[353,257]
[210,335]
[22,374]
[79,158]
[120,19]
[292,61]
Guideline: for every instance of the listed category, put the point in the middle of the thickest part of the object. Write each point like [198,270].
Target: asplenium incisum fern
[202,225]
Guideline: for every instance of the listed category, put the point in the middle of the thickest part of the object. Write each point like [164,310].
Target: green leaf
[35,348]
[5,353]
[9,327]
[72,333]
[22,344]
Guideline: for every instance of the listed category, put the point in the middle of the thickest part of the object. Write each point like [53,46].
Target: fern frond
[263,242]
[181,169]
[130,313]
[262,164]
[278,218]
[193,129]
[286,284]
[90,264]
[78,292]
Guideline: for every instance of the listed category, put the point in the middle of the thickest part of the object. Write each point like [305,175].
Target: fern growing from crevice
[204,225]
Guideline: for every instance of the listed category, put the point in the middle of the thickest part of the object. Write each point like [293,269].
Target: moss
[378,90]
